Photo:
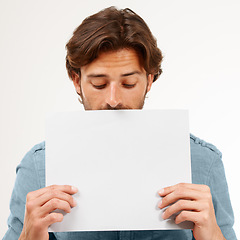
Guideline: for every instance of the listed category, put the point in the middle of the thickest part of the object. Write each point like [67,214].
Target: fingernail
[159,204]
[163,214]
[161,191]
[74,189]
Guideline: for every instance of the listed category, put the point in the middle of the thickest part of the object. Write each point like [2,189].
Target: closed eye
[129,85]
[100,86]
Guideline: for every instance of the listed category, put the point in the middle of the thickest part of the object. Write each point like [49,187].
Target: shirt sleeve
[221,200]
[27,180]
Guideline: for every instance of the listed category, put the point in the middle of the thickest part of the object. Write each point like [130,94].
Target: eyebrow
[93,75]
[130,73]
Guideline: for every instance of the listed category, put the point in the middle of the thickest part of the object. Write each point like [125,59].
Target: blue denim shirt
[207,168]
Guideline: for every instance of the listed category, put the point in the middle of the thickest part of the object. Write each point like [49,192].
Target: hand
[194,202]
[40,205]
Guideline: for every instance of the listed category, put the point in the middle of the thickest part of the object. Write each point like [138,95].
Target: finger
[180,206]
[179,194]
[53,218]
[55,194]
[167,190]
[187,216]
[64,188]
[54,204]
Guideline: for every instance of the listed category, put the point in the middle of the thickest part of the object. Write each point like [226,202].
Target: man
[113,60]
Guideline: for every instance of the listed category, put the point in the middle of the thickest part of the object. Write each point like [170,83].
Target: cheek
[139,92]
[86,90]
[91,96]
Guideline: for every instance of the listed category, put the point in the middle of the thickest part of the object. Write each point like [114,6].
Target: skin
[117,80]
[40,205]
[194,202]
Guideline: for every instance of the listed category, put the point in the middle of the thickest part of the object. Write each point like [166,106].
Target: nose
[113,98]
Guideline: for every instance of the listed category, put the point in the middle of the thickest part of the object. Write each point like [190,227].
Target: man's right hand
[40,205]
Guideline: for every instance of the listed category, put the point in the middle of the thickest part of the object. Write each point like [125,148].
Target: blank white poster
[118,160]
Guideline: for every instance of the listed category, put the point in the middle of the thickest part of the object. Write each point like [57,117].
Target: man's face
[115,80]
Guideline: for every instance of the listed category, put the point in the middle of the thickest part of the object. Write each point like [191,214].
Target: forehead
[120,60]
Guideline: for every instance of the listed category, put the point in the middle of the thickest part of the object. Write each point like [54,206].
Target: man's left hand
[194,202]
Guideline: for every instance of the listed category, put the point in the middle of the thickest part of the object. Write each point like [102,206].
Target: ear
[150,81]
[76,82]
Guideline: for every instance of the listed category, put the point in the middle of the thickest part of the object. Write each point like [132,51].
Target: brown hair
[108,30]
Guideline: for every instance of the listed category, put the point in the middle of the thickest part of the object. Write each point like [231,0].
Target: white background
[200,43]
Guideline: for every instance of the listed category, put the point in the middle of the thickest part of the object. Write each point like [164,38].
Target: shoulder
[38,148]
[202,147]
[35,156]
[204,156]
[36,151]
[32,165]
